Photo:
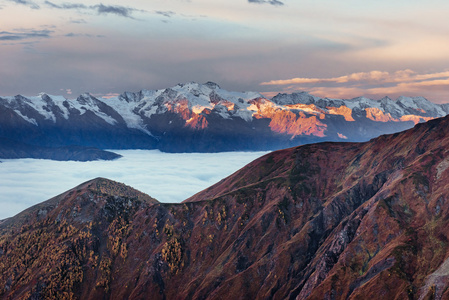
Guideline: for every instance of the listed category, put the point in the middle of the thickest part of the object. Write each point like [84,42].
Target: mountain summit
[320,221]
[196,117]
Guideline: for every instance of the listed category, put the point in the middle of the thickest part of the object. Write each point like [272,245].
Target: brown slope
[71,198]
[323,221]
[400,242]
[388,179]
[49,250]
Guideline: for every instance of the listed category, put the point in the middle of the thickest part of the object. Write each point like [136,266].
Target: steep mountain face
[320,221]
[53,121]
[205,118]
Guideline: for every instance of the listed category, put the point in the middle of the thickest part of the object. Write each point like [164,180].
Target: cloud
[67,91]
[78,21]
[272,2]
[30,34]
[373,83]
[31,4]
[367,77]
[66,5]
[9,37]
[71,34]
[100,9]
[117,10]
[167,14]
[25,182]
[107,96]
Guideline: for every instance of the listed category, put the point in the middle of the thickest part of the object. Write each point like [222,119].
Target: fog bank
[168,177]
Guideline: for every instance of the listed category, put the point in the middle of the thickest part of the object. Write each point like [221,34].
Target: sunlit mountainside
[320,221]
[196,117]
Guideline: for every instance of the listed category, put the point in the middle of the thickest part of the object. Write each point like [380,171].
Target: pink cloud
[107,96]
[373,84]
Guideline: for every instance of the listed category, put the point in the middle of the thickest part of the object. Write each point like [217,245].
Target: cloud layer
[378,83]
[166,177]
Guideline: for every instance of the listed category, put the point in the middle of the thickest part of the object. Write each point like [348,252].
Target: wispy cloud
[25,34]
[100,9]
[31,4]
[272,2]
[167,14]
[373,83]
[367,77]
[107,95]
[114,9]
[78,21]
[66,5]
[71,34]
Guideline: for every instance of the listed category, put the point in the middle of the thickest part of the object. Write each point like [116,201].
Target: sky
[168,177]
[336,49]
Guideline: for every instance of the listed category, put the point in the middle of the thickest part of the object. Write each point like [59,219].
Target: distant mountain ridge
[196,117]
[321,221]
[11,149]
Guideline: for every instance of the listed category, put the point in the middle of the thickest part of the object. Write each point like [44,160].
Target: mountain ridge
[196,117]
[10,149]
[318,221]
[99,185]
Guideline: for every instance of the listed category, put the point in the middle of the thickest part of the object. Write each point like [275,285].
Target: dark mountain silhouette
[11,149]
[321,221]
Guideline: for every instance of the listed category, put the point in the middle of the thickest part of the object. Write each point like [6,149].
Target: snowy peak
[87,99]
[205,114]
[194,98]
[209,92]
[130,97]
[294,98]
[420,106]
[189,99]
[397,108]
[212,85]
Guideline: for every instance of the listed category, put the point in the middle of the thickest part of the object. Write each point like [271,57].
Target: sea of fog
[168,177]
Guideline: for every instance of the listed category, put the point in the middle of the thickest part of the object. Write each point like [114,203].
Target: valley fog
[168,177]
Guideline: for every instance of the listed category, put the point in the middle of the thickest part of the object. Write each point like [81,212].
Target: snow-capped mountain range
[205,118]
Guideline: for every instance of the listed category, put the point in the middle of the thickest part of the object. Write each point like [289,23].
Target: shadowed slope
[10,149]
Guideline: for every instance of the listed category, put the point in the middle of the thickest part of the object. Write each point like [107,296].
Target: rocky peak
[212,85]
[86,99]
[294,98]
[169,94]
[129,97]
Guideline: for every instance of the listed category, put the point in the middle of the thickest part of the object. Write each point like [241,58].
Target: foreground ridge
[320,221]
